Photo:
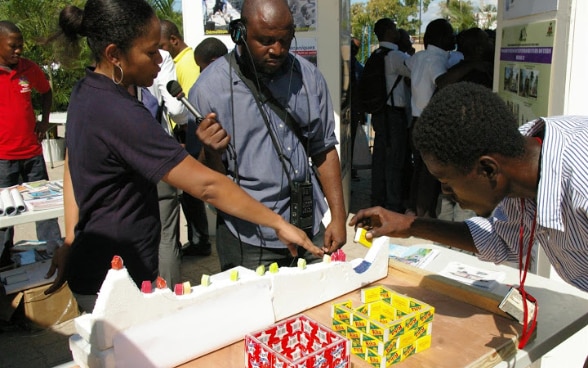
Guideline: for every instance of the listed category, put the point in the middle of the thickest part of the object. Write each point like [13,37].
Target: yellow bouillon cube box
[386,328]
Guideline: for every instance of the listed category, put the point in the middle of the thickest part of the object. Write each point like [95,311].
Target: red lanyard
[523,268]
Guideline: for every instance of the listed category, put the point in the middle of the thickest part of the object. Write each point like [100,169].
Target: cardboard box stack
[387,328]
[298,342]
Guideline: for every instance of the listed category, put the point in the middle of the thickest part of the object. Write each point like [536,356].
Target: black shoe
[197,251]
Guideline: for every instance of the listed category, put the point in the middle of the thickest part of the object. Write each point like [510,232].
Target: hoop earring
[122,75]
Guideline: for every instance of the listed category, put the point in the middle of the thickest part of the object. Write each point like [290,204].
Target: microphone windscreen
[174,88]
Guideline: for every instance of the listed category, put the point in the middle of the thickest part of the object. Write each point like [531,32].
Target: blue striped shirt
[562,204]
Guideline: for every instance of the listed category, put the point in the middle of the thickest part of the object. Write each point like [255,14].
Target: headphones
[238,31]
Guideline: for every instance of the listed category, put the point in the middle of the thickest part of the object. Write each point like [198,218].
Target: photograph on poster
[511,79]
[304,12]
[528,83]
[218,14]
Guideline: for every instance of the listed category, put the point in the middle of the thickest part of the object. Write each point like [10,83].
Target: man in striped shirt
[528,184]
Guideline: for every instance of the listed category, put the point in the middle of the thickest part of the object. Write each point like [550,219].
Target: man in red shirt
[21,153]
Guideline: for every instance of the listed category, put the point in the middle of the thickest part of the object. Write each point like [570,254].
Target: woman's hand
[293,237]
[59,263]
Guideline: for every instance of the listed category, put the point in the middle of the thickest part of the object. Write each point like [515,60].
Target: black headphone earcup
[238,31]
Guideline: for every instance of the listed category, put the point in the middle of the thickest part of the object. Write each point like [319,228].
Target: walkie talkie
[301,205]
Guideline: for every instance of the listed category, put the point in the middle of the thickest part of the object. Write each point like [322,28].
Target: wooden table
[463,335]
[468,328]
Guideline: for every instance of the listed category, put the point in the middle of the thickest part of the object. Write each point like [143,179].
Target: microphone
[174,89]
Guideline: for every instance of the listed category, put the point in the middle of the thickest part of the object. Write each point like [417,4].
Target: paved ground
[22,345]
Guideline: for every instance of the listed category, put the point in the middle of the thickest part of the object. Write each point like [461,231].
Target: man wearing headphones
[274,112]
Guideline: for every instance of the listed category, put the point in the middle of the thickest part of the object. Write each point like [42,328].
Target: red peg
[146,287]
[116,263]
[160,283]
[179,289]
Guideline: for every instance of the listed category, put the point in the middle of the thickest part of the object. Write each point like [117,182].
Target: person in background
[405,45]
[526,184]
[165,107]
[405,42]
[477,63]
[425,67]
[209,50]
[116,154]
[21,153]
[173,42]
[205,53]
[357,113]
[391,139]
[187,71]
[257,145]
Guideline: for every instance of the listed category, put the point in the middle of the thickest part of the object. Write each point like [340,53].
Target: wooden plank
[455,289]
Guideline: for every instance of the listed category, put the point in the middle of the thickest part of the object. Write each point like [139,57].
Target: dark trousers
[13,172]
[389,158]
[424,188]
[196,220]
[232,252]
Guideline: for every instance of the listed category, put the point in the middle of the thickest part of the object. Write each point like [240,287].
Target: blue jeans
[13,172]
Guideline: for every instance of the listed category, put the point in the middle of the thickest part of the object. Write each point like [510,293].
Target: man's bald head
[265,10]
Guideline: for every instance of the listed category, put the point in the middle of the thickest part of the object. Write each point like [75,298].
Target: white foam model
[128,328]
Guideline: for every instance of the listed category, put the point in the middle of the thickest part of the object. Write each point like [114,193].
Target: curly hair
[465,121]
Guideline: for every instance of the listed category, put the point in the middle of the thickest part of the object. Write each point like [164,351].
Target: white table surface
[30,216]
[563,309]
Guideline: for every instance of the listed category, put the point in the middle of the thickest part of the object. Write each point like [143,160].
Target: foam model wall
[129,328]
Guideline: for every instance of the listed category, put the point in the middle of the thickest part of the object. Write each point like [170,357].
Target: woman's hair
[105,22]
[464,121]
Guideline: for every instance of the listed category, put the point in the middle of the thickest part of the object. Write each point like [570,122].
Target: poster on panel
[305,47]
[525,68]
[521,8]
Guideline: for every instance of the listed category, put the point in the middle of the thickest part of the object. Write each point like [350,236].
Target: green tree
[406,14]
[487,16]
[165,10]
[38,22]
[460,14]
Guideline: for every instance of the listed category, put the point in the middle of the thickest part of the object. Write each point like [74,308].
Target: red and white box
[298,342]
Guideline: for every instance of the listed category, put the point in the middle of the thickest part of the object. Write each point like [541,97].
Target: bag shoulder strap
[264,95]
[392,90]
[386,50]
